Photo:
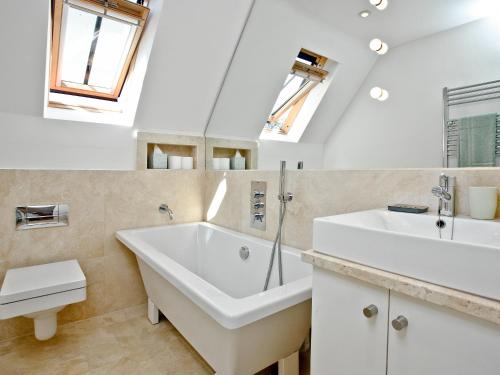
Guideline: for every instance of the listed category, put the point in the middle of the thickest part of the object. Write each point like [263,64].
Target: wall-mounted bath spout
[164,209]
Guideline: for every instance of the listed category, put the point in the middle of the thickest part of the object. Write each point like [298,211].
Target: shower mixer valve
[258,216]
[258,194]
[258,205]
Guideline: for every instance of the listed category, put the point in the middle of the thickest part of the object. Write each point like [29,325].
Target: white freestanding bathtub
[194,275]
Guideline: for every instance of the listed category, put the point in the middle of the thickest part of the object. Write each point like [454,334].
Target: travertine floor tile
[121,343]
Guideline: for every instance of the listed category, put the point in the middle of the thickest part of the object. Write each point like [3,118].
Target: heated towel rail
[479,92]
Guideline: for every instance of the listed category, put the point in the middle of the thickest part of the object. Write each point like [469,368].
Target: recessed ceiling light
[379,94]
[364,13]
[378,46]
[485,8]
[380,4]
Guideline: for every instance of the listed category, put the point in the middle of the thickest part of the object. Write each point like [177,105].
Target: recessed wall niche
[176,145]
[227,148]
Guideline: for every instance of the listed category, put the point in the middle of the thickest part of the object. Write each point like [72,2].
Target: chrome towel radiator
[457,96]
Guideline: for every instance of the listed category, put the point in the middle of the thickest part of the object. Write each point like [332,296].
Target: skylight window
[93,44]
[292,108]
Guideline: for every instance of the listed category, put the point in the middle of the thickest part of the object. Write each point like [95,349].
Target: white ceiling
[403,20]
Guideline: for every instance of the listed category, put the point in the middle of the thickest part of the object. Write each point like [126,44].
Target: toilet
[40,292]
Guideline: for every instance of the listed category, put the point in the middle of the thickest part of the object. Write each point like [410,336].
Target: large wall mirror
[350,84]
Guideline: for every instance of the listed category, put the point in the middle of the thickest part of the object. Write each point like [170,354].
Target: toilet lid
[36,281]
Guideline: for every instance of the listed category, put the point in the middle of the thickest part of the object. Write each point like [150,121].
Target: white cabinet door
[440,341]
[344,341]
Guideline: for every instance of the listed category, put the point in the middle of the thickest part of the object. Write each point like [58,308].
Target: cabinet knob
[399,323]
[370,311]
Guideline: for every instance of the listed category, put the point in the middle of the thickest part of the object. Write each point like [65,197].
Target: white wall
[32,142]
[194,35]
[405,131]
[273,37]
[271,153]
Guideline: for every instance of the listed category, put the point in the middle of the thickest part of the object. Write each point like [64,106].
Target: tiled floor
[122,342]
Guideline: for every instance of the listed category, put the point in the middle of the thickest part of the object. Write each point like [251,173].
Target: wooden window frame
[128,9]
[295,105]
[309,70]
[296,102]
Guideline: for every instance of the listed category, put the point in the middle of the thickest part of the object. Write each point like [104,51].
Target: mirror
[413,85]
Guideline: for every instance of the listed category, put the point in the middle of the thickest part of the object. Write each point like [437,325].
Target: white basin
[409,244]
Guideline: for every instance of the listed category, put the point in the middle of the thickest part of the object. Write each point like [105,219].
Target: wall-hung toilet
[40,292]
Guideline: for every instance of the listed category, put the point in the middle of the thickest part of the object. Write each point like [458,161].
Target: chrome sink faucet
[164,209]
[446,194]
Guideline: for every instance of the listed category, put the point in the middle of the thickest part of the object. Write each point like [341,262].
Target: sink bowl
[409,245]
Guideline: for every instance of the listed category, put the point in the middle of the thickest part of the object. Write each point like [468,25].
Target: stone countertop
[479,307]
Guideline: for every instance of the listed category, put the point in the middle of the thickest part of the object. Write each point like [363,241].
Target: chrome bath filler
[284,198]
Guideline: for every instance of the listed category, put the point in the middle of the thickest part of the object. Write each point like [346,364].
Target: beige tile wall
[324,193]
[101,202]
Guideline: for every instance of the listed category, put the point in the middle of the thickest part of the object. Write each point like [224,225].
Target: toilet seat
[29,290]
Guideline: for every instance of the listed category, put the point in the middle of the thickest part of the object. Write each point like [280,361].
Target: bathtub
[194,274]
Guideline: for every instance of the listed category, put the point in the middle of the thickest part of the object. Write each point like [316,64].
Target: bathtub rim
[230,312]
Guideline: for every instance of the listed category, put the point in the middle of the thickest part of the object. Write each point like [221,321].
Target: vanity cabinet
[348,339]
[440,341]
[344,340]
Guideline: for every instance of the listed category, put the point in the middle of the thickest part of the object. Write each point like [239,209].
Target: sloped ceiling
[192,49]
[401,22]
[272,38]
[278,29]
[22,63]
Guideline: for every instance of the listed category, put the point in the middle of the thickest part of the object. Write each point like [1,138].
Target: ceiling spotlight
[364,13]
[379,94]
[380,4]
[376,45]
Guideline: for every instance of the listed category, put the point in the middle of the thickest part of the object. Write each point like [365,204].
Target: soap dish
[408,208]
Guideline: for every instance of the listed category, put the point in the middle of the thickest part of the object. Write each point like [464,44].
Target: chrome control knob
[399,323]
[258,194]
[370,311]
[258,216]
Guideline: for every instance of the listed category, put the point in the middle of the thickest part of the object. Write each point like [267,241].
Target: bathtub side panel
[213,342]
[264,342]
[241,351]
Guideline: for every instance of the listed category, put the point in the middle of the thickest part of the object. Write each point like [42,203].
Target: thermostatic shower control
[258,204]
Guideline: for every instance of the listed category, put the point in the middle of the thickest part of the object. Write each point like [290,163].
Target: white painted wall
[405,131]
[32,142]
[272,152]
[273,37]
